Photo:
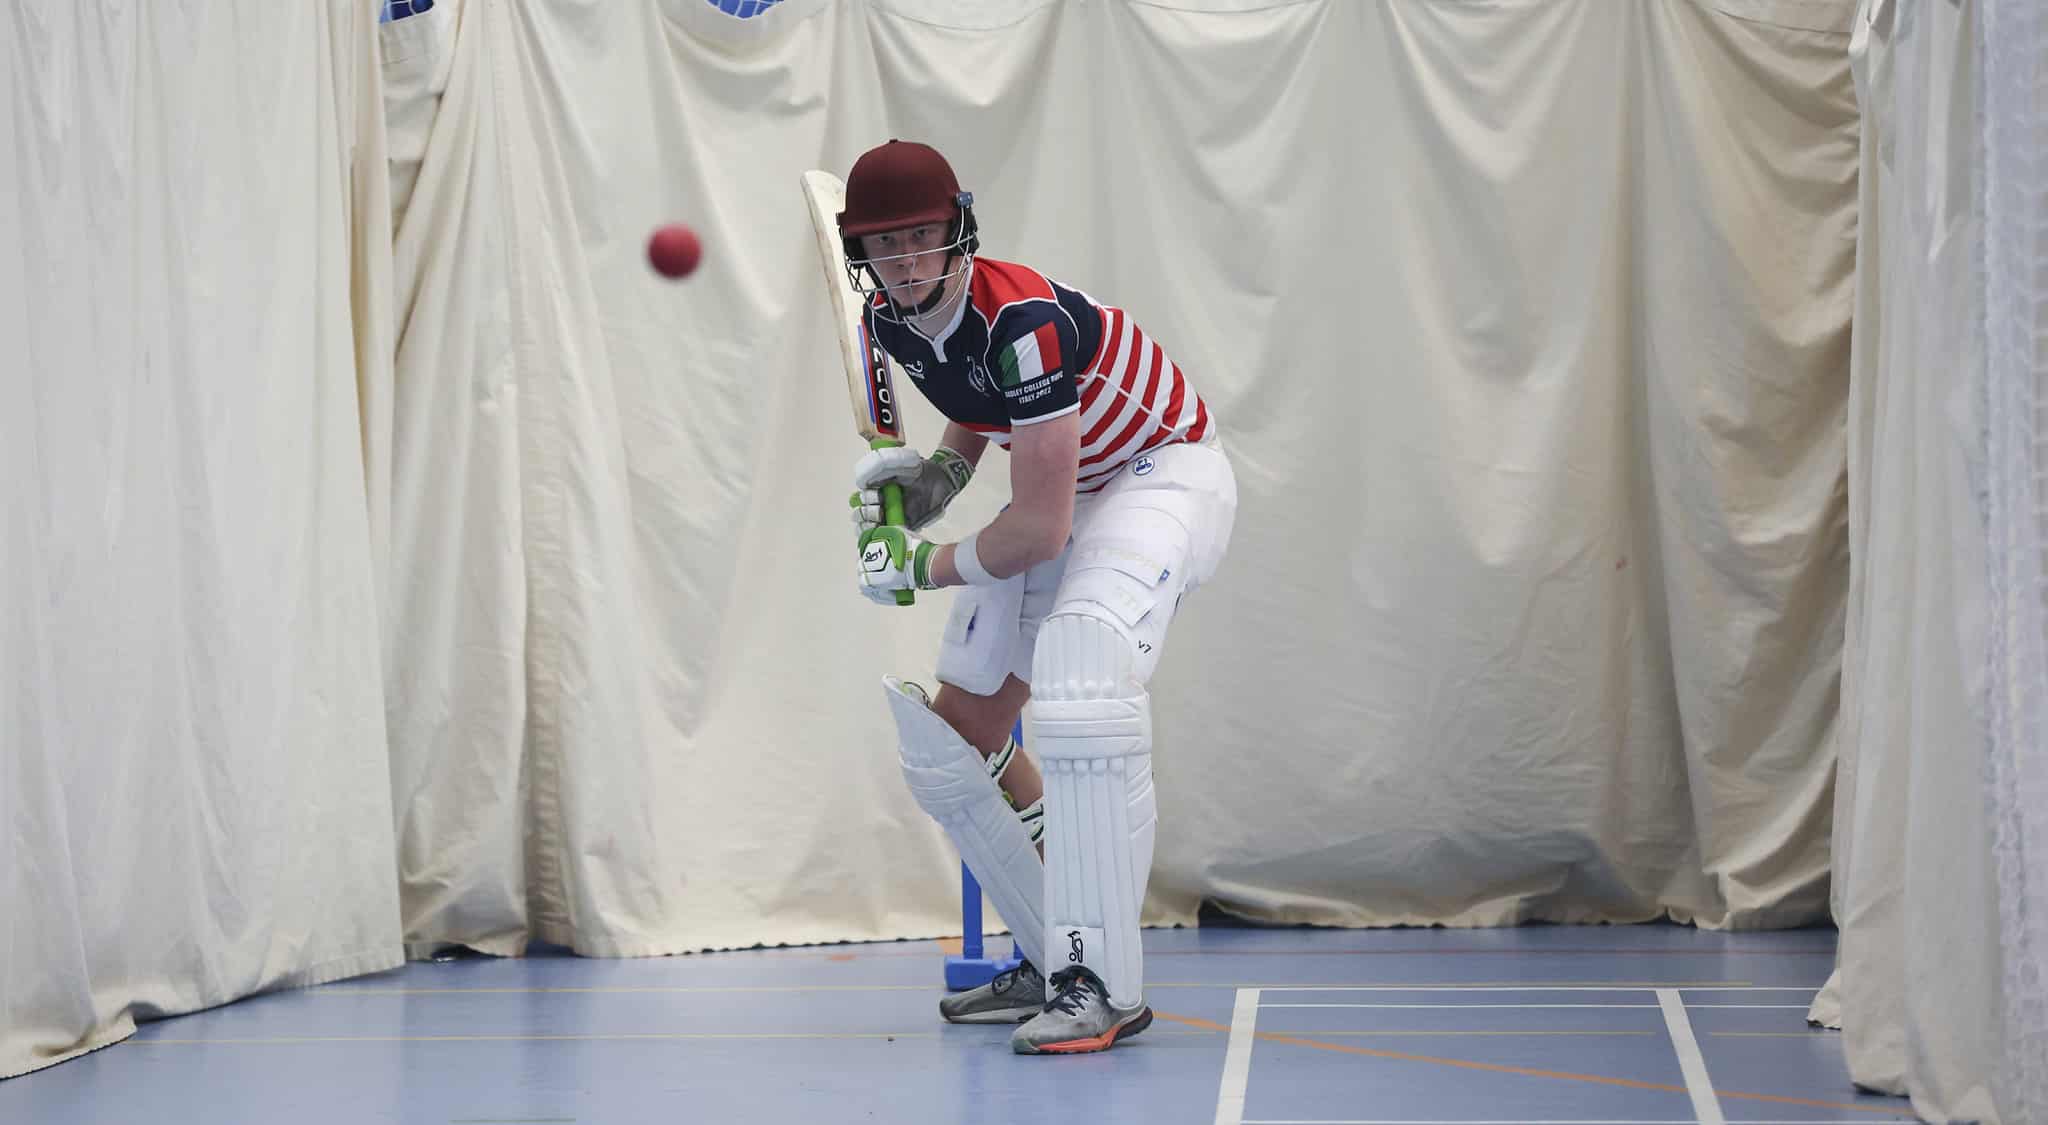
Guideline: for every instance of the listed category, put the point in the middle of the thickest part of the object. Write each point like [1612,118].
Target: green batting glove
[893,559]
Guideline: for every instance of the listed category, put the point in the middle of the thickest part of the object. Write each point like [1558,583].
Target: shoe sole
[1102,1042]
[1000,1015]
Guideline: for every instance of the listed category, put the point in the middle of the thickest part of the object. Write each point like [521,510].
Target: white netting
[2015,146]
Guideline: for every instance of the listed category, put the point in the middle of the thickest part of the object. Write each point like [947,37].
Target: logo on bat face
[881,396]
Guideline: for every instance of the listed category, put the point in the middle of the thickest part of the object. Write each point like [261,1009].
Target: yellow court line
[624,1036]
[922,947]
[1443,986]
[332,990]
[717,1035]
[1527,1072]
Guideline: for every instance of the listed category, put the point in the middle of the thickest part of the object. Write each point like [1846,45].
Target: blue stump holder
[972,967]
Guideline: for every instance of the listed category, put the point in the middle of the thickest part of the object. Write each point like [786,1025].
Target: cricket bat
[871,391]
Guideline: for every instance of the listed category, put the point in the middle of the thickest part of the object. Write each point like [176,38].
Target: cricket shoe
[1013,996]
[1079,1018]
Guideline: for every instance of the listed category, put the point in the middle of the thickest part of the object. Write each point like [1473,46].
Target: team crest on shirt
[915,369]
[977,376]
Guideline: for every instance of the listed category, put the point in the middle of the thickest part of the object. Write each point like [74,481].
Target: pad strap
[1033,814]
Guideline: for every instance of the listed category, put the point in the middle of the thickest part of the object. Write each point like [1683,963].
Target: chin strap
[938,296]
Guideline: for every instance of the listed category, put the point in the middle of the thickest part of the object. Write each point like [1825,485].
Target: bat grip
[892,514]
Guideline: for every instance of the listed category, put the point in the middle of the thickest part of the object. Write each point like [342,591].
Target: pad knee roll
[1086,700]
[1081,655]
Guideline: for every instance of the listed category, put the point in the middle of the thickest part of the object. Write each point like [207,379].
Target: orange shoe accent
[1101,1042]
[1079,1046]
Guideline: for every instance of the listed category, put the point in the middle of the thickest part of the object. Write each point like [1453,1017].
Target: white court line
[1527,988]
[1237,1060]
[1705,1105]
[1464,985]
[1484,1007]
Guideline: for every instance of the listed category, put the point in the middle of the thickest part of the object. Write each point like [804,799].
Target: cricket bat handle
[892,514]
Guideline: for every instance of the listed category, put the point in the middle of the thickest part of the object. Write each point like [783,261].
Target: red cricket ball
[673,250]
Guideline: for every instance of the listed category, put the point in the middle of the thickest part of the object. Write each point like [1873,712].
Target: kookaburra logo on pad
[1075,952]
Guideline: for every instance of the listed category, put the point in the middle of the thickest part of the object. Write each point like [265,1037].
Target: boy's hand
[893,559]
[929,484]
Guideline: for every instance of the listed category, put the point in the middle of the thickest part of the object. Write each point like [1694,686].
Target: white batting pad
[951,782]
[1091,724]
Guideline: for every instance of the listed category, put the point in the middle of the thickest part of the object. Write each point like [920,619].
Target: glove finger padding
[898,463]
[866,509]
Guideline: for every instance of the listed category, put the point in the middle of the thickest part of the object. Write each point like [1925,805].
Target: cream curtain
[413,499]
[1527,325]
[1937,691]
[194,790]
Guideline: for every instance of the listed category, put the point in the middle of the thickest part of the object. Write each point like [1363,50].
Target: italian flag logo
[1031,356]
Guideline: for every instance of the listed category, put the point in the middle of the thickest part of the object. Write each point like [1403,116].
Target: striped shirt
[1025,349]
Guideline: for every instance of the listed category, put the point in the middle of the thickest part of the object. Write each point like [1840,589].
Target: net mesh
[2014,101]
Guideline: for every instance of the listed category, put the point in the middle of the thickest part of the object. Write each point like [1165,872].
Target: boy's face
[910,261]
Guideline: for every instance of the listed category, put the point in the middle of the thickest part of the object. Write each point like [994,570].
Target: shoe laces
[1008,978]
[1071,988]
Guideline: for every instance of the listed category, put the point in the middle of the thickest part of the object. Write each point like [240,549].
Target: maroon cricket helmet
[901,184]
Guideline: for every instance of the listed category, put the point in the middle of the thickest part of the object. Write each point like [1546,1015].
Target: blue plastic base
[963,973]
[972,967]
